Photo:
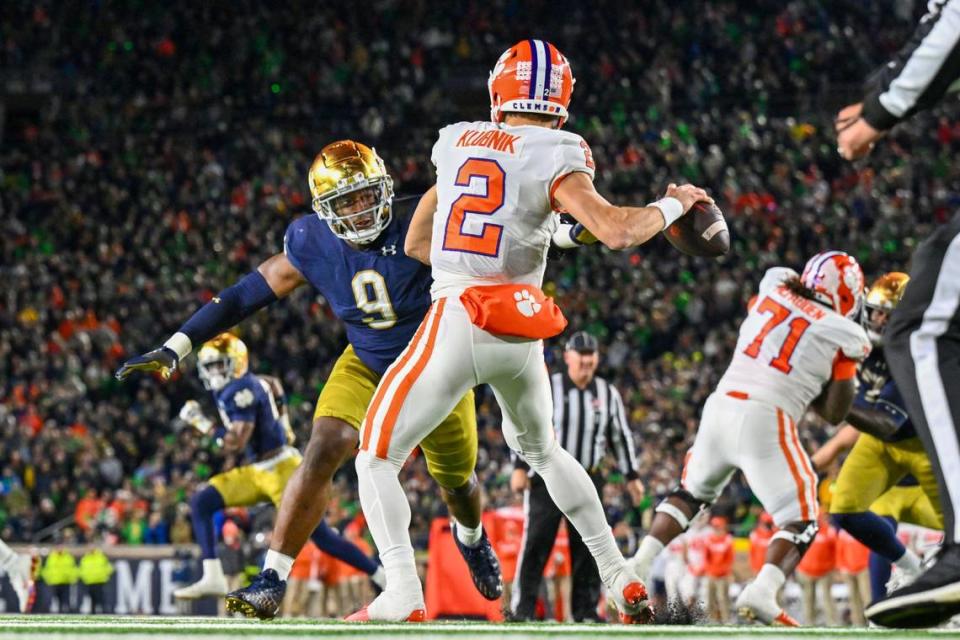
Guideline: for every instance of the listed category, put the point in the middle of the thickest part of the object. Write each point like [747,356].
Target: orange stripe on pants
[388,380]
[806,465]
[396,403]
[683,474]
[801,493]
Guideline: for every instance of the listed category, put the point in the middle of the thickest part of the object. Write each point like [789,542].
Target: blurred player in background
[498,184]
[255,424]
[21,570]
[351,251]
[815,575]
[853,559]
[798,347]
[718,569]
[923,339]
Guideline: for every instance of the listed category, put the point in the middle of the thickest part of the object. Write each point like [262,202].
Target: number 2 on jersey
[487,242]
[797,326]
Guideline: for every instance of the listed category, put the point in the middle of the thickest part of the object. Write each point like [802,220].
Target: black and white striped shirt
[925,69]
[589,422]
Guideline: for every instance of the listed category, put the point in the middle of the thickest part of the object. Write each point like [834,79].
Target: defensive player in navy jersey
[886,450]
[352,253]
[254,423]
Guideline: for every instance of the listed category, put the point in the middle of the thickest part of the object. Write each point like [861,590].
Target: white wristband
[180,344]
[563,237]
[670,208]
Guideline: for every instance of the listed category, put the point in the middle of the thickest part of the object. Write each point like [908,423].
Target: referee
[589,417]
[923,337]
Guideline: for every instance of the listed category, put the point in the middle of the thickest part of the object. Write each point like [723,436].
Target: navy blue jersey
[379,293]
[248,399]
[879,391]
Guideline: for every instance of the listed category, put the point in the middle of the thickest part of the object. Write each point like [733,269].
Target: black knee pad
[696,505]
[800,532]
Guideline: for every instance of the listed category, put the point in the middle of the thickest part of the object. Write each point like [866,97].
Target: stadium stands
[151,154]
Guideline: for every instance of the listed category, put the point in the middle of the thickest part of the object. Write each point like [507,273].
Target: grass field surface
[152,628]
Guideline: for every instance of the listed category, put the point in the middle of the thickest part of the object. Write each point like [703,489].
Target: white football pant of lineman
[762,441]
[448,356]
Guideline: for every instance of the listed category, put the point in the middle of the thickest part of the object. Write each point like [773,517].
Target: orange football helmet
[836,280]
[532,76]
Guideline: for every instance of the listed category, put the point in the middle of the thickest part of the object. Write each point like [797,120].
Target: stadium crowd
[175,154]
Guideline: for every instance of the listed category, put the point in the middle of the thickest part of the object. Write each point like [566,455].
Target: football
[701,232]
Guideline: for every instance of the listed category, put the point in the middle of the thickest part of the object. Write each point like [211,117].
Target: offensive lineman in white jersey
[799,346]
[498,184]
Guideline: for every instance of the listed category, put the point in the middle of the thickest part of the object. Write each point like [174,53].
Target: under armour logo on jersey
[389,250]
[526,305]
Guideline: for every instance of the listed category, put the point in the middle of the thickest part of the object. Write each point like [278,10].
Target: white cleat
[22,576]
[389,607]
[900,578]
[206,587]
[758,605]
[629,594]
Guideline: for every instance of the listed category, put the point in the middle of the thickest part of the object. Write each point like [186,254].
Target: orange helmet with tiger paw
[532,76]
[836,280]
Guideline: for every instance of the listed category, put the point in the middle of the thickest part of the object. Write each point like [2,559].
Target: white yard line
[176,626]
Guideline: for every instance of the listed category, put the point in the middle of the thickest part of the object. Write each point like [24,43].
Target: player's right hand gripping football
[162,360]
[688,195]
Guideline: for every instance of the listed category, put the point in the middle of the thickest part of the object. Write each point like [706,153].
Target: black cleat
[261,599]
[933,598]
[483,564]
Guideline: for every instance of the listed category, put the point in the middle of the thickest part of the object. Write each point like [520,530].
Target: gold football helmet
[222,359]
[352,191]
[882,299]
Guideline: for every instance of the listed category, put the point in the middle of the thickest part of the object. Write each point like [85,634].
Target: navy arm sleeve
[228,308]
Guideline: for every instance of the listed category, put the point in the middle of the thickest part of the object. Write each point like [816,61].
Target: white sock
[379,578]
[7,556]
[387,511]
[649,549]
[212,569]
[469,536]
[909,562]
[770,578]
[573,492]
[278,562]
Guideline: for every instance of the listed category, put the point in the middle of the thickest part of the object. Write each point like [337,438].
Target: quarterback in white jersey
[798,347]
[503,234]
[485,228]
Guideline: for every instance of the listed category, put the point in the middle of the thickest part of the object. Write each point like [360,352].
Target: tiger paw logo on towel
[526,305]
[518,310]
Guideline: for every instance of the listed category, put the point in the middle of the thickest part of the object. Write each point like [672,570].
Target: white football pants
[447,356]
[760,440]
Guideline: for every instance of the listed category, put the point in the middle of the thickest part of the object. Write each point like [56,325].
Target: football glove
[163,360]
[192,414]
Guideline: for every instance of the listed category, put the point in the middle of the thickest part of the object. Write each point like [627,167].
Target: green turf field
[152,628]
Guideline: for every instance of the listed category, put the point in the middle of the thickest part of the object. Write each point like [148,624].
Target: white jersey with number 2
[494,216]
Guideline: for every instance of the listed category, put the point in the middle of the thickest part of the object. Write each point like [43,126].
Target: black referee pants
[922,347]
[540,526]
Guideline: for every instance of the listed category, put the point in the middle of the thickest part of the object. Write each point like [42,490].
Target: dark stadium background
[150,153]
